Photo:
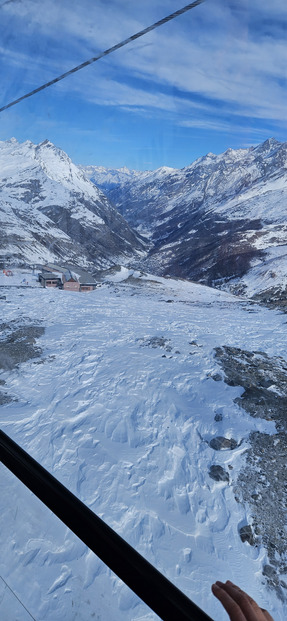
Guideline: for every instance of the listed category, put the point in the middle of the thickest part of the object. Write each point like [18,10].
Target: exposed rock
[216,377]
[262,481]
[156,341]
[218,473]
[246,534]
[263,378]
[273,298]
[220,443]
[18,345]
[274,581]
[262,484]
[4,398]
[269,571]
[218,418]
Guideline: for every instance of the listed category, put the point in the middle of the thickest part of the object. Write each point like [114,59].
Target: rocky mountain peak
[268,146]
[46,143]
[50,211]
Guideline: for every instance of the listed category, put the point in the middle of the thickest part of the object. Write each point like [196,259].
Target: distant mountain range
[221,221]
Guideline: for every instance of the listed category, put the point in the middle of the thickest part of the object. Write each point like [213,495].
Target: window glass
[152,177]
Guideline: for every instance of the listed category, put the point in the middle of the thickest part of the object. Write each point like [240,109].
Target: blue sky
[211,79]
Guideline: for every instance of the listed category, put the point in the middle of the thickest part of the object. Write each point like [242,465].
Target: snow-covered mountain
[49,211]
[221,221]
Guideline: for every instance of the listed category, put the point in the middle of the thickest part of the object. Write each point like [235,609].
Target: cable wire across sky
[110,50]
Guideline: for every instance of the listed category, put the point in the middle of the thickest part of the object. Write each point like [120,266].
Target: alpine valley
[220,221]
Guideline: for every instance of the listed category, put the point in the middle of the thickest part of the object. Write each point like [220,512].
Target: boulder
[246,534]
[220,443]
[218,473]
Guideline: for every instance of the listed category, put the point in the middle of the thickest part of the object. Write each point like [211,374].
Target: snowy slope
[49,210]
[212,220]
[110,178]
[121,408]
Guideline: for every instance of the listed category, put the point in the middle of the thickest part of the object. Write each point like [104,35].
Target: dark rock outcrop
[218,473]
[223,444]
[246,534]
[262,481]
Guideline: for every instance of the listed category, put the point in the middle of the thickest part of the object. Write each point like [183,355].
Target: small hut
[70,281]
[48,279]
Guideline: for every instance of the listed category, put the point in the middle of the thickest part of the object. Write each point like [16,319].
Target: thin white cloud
[223,126]
[217,52]
[113,93]
[248,75]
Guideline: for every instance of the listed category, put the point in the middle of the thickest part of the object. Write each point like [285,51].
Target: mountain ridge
[51,211]
[216,221]
[220,221]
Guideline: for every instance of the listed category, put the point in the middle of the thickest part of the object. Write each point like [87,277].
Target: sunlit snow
[120,408]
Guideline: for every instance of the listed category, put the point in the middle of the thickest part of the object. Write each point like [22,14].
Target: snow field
[121,410]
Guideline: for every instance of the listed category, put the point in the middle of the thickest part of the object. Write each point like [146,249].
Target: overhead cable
[105,53]
[11,590]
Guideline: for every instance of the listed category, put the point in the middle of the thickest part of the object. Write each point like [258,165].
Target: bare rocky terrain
[262,481]
[17,345]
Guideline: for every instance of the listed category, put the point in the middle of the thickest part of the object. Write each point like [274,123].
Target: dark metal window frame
[165,599]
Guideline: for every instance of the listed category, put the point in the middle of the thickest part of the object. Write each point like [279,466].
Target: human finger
[228,603]
[267,615]
[249,607]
